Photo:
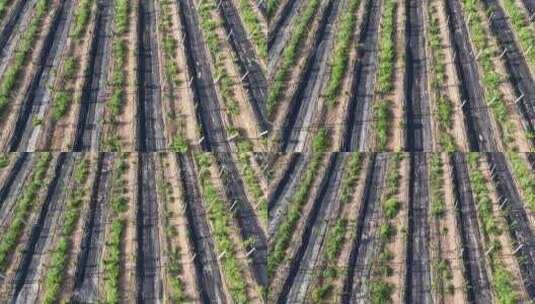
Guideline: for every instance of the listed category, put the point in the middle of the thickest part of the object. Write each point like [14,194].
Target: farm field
[130,228]
[132,75]
[401,228]
[411,75]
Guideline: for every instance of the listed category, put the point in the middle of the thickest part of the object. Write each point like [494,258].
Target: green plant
[437,186]
[320,141]
[4,161]
[81,17]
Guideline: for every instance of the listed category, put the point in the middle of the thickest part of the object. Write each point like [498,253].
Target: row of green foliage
[502,278]
[206,9]
[56,268]
[344,37]
[491,79]
[385,72]
[119,45]
[271,7]
[525,178]
[523,29]
[437,185]
[221,223]
[442,266]
[3,6]
[174,266]
[381,290]
[281,240]
[4,160]
[24,206]
[21,54]
[81,17]
[245,153]
[253,27]
[289,55]
[170,45]
[326,277]
[119,205]
[438,80]
[64,97]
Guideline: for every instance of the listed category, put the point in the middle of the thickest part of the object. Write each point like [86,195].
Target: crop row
[272,6]
[209,27]
[289,56]
[251,180]
[119,50]
[341,52]
[221,223]
[174,266]
[253,26]
[438,208]
[438,80]
[336,238]
[385,73]
[4,160]
[282,238]
[3,6]
[64,95]
[524,30]
[23,209]
[113,249]
[491,78]
[55,275]
[525,178]
[21,54]
[502,278]
[380,289]
[170,45]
